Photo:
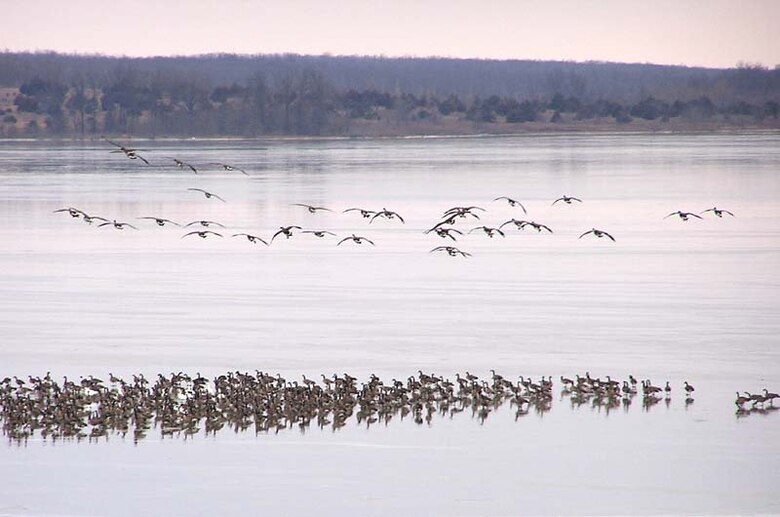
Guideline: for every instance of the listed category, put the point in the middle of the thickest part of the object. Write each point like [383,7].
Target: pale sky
[712,33]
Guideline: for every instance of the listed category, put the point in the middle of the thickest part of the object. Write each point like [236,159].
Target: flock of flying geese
[182,405]
[445,228]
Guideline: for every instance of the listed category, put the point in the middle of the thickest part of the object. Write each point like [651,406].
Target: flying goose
[160,221]
[208,195]
[717,211]
[286,231]
[231,168]
[204,223]
[74,212]
[451,251]
[250,238]
[89,218]
[365,213]
[319,233]
[356,239]
[444,232]
[202,234]
[462,211]
[389,214]
[512,202]
[118,226]
[312,209]
[128,151]
[537,226]
[683,215]
[181,164]
[488,231]
[597,233]
[567,199]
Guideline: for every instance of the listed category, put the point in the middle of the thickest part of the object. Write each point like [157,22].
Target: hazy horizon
[715,34]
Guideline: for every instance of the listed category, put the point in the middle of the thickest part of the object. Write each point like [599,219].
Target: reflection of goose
[202,234]
[208,195]
[683,215]
[512,202]
[717,211]
[250,238]
[356,239]
[597,233]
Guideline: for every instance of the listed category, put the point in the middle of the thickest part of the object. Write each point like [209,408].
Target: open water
[674,300]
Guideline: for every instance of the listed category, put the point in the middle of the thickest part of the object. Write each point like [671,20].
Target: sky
[711,33]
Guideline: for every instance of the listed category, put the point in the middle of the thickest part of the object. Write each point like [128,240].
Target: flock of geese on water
[182,405]
[445,228]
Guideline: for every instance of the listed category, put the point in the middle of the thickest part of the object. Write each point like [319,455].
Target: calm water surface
[670,300]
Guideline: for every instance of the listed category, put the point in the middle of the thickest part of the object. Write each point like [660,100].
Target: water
[670,300]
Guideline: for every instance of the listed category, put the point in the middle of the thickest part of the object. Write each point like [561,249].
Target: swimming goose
[356,239]
[770,396]
[118,226]
[688,388]
[717,211]
[389,214]
[451,251]
[512,202]
[567,199]
[208,195]
[160,221]
[250,238]
[202,234]
[597,233]
[683,215]
[286,231]
[488,231]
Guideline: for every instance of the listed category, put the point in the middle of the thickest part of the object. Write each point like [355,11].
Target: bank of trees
[82,95]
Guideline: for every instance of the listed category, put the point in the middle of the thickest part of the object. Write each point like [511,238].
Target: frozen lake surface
[669,300]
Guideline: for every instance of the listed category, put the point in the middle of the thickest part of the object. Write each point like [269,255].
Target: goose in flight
[286,231]
[312,209]
[462,211]
[128,151]
[202,234]
[181,164]
[519,223]
[512,202]
[683,215]
[160,221]
[444,232]
[90,218]
[319,233]
[567,199]
[250,238]
[118,226]
[365,213]
[208,195]
[537,226]
[717,211]
[389,214]
[204,223]
[358,240]
[74,212]
[230,168]
[451,251]
[597,233]
[488,231]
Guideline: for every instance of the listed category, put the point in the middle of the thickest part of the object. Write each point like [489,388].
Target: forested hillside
[227,95]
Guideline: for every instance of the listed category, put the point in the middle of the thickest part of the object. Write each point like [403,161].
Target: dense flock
[445,228]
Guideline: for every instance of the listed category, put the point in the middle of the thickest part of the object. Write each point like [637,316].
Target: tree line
[56,97]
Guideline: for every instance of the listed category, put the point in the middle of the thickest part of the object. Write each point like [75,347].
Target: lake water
[669,300]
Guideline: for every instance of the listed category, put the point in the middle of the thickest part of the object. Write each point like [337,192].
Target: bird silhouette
[567,199]
[512,202]
[354,238]
[208,195]
[597,233]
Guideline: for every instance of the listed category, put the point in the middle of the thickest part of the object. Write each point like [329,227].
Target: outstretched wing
[584,234]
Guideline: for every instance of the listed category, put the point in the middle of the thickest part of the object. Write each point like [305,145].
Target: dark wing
[342,240]
[545,227]
[213,233]
[103,224]
[584,234]
[94,217]
[439,248]
[511,221]
[608,235]
[198,190]
[503,197]
[576,199]
[129,225]
[192,223]
[477,228]
[142,158]
[113,143]
[448,230]
[673,213]
[302,204]
[240,234]
[368,241]
[377,214]
[499,231]
[521,206]
[727,212]
[191,167]
[218,224]
[277,233]
[218,197]
[399,217]
[694,215]
[559,199]
[708,210]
